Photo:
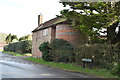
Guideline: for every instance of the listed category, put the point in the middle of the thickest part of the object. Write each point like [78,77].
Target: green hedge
[45,49]
[58,50]
[19,47]
[103,55]
[62,51]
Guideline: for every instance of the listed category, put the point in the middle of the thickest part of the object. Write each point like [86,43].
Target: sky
[20,17]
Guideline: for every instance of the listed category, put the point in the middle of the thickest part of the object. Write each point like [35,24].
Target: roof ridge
[49,23]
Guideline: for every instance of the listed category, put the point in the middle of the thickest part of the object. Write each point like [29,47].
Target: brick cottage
[55,28]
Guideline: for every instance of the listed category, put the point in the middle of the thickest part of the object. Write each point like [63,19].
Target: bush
[45,49]
[116,70]
[19,47]
[62,51]
[27,46]
[103,55]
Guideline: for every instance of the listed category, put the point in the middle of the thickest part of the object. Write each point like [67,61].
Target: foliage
[27,46]
[103,55]
[19,47]
[61,50]
[13,37]
[92,17]
[10,38]
[116,70]
[27,37]
[45,49]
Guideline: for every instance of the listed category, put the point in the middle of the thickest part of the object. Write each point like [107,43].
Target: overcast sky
[20,17]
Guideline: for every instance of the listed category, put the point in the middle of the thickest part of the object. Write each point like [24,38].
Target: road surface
[16,67]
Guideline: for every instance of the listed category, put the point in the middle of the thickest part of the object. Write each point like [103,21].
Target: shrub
[45,49]
[116,70]
[6,48]
[103,55]
[19,47]
[27,46]
[62,51]
[84,51]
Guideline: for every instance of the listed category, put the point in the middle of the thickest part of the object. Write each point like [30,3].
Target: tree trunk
[117,37]
[112,36]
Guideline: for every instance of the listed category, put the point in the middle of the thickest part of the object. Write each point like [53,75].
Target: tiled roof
[49,23]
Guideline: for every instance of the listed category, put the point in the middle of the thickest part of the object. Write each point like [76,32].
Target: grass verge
[16,54]
[12,53]
[103,73]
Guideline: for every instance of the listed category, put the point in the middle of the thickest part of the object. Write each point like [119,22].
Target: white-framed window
[45,32]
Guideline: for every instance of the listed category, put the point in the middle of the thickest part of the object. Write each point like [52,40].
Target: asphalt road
[16,67]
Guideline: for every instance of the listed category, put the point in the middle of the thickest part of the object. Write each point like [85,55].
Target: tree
[8,39]
[92,17]
[13,37]
[27,37]
[22,38]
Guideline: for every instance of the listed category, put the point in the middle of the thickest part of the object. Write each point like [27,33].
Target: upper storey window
[45,32]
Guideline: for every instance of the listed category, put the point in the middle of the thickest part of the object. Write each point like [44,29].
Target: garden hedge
[19,47]
[62,51]
[103,55]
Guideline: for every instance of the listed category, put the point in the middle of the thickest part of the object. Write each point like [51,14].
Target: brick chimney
[40,19]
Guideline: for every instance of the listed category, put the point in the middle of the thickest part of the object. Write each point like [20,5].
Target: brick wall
[38,38]
[74,36]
